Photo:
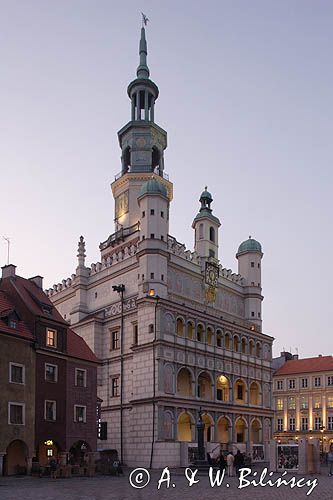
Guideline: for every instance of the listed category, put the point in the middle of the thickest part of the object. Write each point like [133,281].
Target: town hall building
[178,335]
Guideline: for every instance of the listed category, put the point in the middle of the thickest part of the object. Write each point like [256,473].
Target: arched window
[212,234]
[243,346]
[184,382]
[210,336]
[190,330]
[255,396]
[180,327]
[240,428]
[222,388]
[227,341]
[184,427]
[240,392]
[205,386]
[200,332]
[258,350]
[251,347]
[236,343]
[218,338]
[201,235]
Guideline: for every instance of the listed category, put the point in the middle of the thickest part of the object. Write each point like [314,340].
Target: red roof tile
[77,347]
[306,365]
[22,329]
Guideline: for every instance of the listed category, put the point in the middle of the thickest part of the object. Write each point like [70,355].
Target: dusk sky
[246,98]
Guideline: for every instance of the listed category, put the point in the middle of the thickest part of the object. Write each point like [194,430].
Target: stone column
[152,109]
[133,108]
[138,111]
[146,106]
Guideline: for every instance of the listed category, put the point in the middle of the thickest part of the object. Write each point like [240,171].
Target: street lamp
[322,428]
[120,289]
[152,295]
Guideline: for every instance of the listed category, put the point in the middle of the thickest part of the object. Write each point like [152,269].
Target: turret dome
[250,245]
[153,187]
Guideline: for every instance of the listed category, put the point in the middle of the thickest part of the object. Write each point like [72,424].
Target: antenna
[8,247]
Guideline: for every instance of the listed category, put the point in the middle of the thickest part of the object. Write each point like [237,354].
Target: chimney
[295,356]
[8,271]
[38,280]
[320,355]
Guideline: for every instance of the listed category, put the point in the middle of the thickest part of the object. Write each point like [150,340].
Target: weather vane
[144,19]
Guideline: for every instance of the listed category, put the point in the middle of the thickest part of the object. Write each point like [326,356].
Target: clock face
[121,204]
[212,274]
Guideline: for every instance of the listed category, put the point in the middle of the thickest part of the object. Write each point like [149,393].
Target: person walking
[238,461]
[230,464]
[53,468]
[222,462]
[330,460]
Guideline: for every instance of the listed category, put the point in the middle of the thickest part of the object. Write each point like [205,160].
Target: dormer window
[51,338]
[13,323]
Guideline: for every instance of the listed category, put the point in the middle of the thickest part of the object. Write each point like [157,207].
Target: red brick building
[65,374]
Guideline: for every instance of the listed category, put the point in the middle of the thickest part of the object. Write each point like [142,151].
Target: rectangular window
[80,414]
[292,423]
[280,424]
[51,373]
[50,410]
[152,211]
[330,401]
[317,423]
[80,377]
[279,385]
[115,340]
[304,403]
[292,403]
[252,264]
[152,236]
[330,424]
[114,387]
[330,380]
[317,402]
[135,334]
[16,373]
[292,383]
[51,338]
[13,323]
[16,413]
[239,391]
[304,383]
[143,214]
[304,424]
[162,214]
[317,381]
[279,404]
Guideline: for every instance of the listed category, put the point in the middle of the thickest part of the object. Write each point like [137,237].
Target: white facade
[195,341]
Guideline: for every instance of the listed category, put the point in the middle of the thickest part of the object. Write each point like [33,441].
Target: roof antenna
[8,247]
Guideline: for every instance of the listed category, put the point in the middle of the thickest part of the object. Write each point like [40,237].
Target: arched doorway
[255,432]
[222,388]
[223,433]
[16,459]
[209,427]
[77,452]
[180,327]
[184,382]
[46,451]
[240,430]
[184,427]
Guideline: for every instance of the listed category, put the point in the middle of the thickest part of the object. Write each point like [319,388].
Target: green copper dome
[153,187]
[249,245]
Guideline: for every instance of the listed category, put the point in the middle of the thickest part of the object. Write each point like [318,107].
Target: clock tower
[142,144]
[206,225]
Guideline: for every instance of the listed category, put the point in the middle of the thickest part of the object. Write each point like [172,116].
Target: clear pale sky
[246,99]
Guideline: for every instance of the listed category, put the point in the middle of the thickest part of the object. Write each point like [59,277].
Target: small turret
[206,225]
[249,257]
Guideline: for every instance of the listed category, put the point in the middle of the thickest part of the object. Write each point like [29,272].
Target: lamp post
[154,296]
[322,428]
[120,290]
[201,444]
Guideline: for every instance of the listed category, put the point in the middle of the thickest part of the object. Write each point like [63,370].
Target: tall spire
[143,70]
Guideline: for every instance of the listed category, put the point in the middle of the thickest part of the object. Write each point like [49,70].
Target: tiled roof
[306,365]
[22,329]
[78,348]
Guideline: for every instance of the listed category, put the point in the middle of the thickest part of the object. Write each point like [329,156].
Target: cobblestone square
[119,488]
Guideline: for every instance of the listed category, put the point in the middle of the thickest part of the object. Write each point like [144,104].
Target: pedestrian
[230,464]
[330,460]
[53,468]
[238,461]
[222,461]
